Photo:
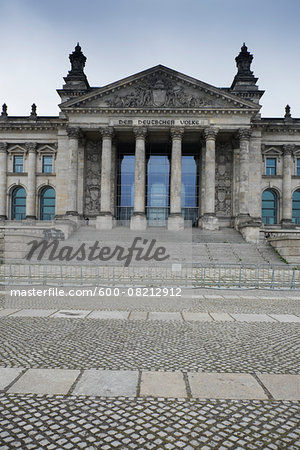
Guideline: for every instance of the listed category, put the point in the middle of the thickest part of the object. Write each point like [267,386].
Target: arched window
[47,208]
[18,204]
[269,207]
[296,207]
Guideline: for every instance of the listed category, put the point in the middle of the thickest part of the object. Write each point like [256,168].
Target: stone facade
[159,111]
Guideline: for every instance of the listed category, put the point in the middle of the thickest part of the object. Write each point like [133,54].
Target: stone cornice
[24,123]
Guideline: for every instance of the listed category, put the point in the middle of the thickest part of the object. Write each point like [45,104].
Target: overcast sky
[200,38]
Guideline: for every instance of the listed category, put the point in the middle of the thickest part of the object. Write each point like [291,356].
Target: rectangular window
[271,166]
[47,164]
[18,164]
[298,166]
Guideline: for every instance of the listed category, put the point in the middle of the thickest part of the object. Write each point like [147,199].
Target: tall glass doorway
[158,181]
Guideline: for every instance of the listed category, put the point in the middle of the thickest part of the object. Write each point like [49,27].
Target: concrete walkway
[165,384]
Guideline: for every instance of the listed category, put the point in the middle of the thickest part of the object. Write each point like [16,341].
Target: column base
[209,222]
[249,227]
[175,222]
[138,222]
[105,221]
[3,218]
[288,224]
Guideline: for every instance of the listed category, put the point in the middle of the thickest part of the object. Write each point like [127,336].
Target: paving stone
[221,317]
[252,318]
[282,386]
[121,315]
[45,381]
[163,384]
[6,312]
[7,375]
[165,316]
[107,383]
[71,313]
[225,386]
[201,317]
[138,315]
[34,313]
[286,318]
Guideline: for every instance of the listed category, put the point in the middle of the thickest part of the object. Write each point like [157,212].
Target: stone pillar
[248,226]
[31,183]
[287,213]
[138,220]
[105,220]
[175,219]
[244,136]
[209,221]
[74,135]
[3,170]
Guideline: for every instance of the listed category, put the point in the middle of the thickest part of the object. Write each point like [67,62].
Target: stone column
[176,220]
[138,220]
[105,220]
[286,221]
[3,170]
[209,220]
[74,135]
[31,182]
[244,136]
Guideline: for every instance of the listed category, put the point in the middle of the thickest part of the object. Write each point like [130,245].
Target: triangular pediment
[159,88]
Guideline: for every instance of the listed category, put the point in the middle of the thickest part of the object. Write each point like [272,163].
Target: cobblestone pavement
[34,421]
[151,345]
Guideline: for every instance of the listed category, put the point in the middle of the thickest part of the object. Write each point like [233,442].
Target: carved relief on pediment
[92,178]
[159,91]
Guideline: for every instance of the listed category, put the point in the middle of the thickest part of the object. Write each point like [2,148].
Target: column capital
[140,132]
[288,149]
[177,133]
[107,132]
[73,132]
[210,133]
[31,147]
[3,147]
[244,134]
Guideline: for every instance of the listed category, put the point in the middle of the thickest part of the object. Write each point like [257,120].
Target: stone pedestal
[138,222]
[287,223]
[250,233]
[209,222]
[175,222]
[105,221]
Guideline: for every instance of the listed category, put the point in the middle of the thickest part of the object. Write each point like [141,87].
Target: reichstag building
[158,148]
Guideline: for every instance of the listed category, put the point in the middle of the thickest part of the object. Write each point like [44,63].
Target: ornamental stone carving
[244,134]
[158,91]
[177,133]
[210,133]
[223,198]
[92,178]
[31,147]
[288,149]
[107,132]
[73,132]
[3,147]
[140,132]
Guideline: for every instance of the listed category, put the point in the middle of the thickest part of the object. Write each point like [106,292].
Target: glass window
[125,192]
[189,188]
[298,166]
[158,178]
[18,164]
[269,207]
[18,204]
[296,207]
[47,164]
[47,204]
[271,166]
